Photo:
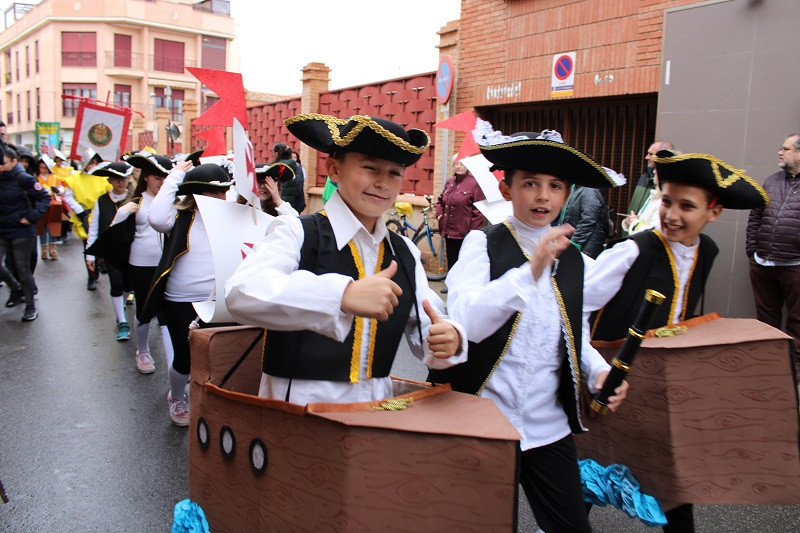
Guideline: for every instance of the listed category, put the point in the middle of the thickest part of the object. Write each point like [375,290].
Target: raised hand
[374,296]
[550,247]
[443,338]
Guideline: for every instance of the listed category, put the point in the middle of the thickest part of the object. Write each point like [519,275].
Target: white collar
[345,224]
[532,234]
[683,250]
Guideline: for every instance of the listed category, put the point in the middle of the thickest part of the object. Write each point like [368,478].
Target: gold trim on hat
[722,183]
[362,122]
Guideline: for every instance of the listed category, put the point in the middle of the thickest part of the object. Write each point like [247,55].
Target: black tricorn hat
[542,152]
[152,164]
[278,171]
[734,189]
[372,136]
[112,170]
[194,157]
[204,178]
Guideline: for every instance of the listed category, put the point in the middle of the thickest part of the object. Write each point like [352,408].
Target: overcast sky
[362,41]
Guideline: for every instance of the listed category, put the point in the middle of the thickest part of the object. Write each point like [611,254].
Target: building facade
[131,53]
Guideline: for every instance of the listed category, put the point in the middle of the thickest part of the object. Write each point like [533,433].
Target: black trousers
[179,315]
[20,251]
[453,246]
[141,279]
[119,280]
[550,477]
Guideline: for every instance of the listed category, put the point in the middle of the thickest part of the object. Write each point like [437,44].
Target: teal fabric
[615,485]
[328,190]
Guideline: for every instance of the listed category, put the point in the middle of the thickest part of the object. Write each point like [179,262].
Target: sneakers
[123,331]
[145,363]
[53,252]
[16,297]
[129,300]
[30,314]
[91,285]
[178,411]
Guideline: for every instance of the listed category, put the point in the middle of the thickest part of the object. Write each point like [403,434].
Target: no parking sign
[562,80]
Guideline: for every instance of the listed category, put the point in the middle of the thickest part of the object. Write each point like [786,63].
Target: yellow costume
[86,188]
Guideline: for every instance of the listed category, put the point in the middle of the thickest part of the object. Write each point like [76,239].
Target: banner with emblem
[48,137]
[101,128]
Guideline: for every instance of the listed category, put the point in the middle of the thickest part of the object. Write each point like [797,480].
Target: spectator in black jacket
[587,212]
[23,201]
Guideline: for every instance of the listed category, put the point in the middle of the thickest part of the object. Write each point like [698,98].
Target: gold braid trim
[358,329]
[723,183]
[393,404]
[502,354]
[362,122]
[373,326]
[596,322]
[676,287]
[167,271]
[576,371]
[574,151]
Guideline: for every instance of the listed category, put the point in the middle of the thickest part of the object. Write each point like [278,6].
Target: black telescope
[622,362]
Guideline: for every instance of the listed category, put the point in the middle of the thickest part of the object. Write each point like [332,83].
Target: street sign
[562,81]
[445,77]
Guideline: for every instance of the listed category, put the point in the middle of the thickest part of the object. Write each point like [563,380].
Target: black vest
[176,243]
[114,243]
[107,209]
[504,254]
[308,355]
[651,270]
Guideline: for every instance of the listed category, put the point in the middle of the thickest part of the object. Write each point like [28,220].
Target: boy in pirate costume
[104,211]
[335,288]
[518,290]
[674,260]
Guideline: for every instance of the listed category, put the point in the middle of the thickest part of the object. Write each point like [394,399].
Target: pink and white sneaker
[178,411]
[145,363]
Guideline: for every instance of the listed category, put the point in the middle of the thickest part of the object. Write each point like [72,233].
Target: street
[86,442]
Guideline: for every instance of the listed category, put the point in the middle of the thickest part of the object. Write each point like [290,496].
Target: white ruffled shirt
[525,383]
[268,290]
[147,243]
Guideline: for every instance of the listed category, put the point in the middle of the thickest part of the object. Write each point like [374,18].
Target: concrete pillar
[190,112]
[138,128]
[316,78]
[448,45]
[160,134]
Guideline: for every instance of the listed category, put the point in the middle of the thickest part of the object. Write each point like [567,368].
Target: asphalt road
[86,443]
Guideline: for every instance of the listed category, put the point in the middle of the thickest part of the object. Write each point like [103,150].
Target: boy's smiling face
[536,198]
[684,212]
[368,185]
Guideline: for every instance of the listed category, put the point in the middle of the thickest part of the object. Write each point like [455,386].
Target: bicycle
[429,241]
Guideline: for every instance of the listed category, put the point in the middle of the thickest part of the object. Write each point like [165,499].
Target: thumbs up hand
[443,338]
[374,296]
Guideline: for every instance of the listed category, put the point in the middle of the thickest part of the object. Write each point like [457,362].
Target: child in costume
[336,289]
[675,260]
[267,178]
[144,251]
[104,211]
[185,272]
[518,290]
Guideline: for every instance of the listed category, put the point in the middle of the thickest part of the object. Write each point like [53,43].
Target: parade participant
[144,251]
[335,288]
[300,199]
[268,178]
[518,290]
[185,272]
[456,211]
[22,202]
[103,212]
[646,183]
[83,190]
[289,189]
[675,260]
[45,176]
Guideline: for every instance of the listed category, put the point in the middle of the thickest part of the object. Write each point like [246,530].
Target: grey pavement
[86,443]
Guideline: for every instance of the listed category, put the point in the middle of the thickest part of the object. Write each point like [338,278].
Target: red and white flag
[244,164]
[102,129]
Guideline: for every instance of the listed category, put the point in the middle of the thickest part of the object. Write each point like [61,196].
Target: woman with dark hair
[268,178]
[283,154]
[185,272]
[300,177]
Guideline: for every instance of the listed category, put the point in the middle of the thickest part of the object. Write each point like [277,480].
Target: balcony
[7,77]
[78,59]
[139,61]
[218,7]
[118,58]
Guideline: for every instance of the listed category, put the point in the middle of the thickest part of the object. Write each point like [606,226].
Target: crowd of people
[337,291]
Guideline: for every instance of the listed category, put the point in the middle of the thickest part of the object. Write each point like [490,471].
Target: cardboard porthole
[227,442]
[259,457]
[202,433]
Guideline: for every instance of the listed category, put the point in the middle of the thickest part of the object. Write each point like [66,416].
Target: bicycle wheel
[395,226]
[433,256]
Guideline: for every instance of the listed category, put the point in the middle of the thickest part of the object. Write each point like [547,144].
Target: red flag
[462,122]
[216,141]
[228,86]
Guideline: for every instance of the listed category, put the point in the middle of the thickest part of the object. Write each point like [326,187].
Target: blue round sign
[445,76]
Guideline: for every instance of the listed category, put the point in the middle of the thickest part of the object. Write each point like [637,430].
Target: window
[36,57]
[213,52]
[208,101]
[78,49]
[27,61]
[19,108]
[175,104]
[122,95]
[168,56]
[16,64]
[28,105]
[38,105]
[122,50]
[86,90]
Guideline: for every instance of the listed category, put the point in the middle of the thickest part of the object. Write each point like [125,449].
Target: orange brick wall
[506,48]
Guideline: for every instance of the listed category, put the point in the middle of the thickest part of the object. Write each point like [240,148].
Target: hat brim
[199,187]
[359,133]
[152,166]
[733,188]
[549,157]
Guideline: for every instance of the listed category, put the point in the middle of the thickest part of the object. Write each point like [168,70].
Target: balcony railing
[78,59]
[117,58]
[139,61]
[218,7]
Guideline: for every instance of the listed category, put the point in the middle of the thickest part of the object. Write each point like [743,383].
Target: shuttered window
[214,52]
[122,50]
[78,49]
[168,56]
[86,90]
